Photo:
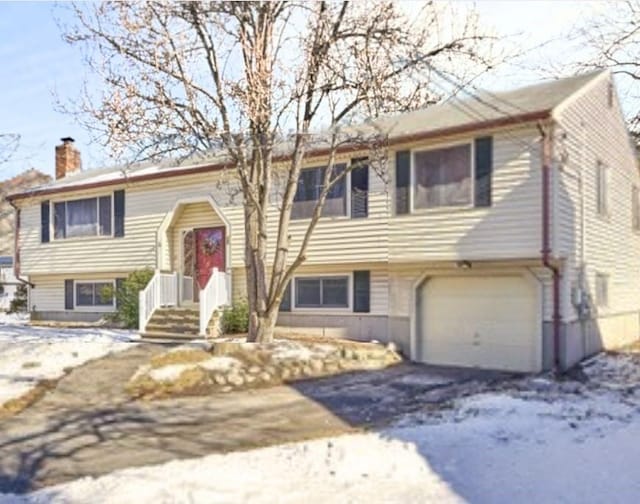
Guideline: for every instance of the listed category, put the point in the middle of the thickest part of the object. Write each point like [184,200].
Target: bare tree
[613,37]
[9,143]
[266,83]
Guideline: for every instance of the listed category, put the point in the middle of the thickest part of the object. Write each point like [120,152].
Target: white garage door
[486,322]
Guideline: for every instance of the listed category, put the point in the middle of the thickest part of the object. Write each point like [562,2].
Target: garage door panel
[482,321]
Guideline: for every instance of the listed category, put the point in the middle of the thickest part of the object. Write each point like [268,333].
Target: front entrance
[203,250]
[209,253]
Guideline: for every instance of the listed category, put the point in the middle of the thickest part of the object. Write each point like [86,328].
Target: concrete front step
[171,328]
[178,323]
[167,337]
[159,319]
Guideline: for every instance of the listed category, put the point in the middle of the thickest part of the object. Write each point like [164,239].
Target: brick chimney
[67,158]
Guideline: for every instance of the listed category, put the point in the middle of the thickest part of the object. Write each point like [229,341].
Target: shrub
[19,301]
[235,319]
[127,297]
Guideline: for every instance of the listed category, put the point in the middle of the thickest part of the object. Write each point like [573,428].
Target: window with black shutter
[484,168]
[68,294]
[361,291]
[118,213]
[44,221]
[359,188]
[403,181]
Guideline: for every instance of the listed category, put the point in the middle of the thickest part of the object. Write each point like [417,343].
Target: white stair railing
[162,290]
[216,293]
[186,294]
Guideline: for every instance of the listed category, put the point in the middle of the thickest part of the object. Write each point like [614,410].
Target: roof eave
[398,140]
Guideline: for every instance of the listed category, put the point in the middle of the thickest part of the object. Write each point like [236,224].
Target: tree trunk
[261,318]
[262,326]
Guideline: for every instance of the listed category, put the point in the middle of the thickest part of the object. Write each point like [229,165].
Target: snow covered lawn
[31,354]
[530,440]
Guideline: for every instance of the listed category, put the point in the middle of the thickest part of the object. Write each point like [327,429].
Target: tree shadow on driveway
[43,448]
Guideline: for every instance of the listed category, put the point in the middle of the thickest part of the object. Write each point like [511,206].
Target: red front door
[209,253]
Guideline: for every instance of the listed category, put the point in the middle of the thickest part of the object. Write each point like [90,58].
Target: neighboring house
[491,245]
[21,182]
[8,283]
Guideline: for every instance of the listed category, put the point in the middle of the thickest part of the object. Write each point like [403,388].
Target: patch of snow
[347,469]
[170,372]
[221,363]
[530,440]
[14,318]
[30,354]
[293,350]
[614,371]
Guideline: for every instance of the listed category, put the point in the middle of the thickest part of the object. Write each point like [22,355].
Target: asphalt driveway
[88,426]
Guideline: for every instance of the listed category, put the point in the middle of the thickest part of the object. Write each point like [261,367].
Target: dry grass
[181,356]
[14,406]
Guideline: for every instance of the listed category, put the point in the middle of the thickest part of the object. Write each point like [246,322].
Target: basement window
[94,294]
[322,292]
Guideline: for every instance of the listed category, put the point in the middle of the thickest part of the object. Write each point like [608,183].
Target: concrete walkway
[88,426]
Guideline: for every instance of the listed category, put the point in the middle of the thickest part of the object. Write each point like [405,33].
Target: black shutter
[118,213]
[44,221]
[359,188]
[361,291]
[403,177]
[68,294]
[484,167]
[59,217]
[119,284]
[285,303]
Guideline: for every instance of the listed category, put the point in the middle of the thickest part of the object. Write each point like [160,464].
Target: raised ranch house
[506,234]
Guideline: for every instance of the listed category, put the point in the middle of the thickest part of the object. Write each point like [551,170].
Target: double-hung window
[310,186]
[602,189]
[94,294]
[322,292]
[83,217]
[442,177]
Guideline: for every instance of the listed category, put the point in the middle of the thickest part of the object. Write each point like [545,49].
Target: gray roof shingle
[453,113]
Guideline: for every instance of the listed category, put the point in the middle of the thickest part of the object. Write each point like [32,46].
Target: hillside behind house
[26,180]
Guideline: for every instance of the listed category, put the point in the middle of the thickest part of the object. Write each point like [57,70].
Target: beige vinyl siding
[338,239]
[590,131]
[510,228]
[48,293]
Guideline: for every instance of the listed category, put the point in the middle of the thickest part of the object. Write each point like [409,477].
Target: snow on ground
[172,372]
[30,354]
[528,440]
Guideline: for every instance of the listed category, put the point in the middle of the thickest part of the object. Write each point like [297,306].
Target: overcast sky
[36,64]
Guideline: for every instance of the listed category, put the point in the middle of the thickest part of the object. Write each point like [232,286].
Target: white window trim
[320,309]
[103,308]
[607,279]
[347,178]
[446,208]
[52,219]
[635,206]
[605,212]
